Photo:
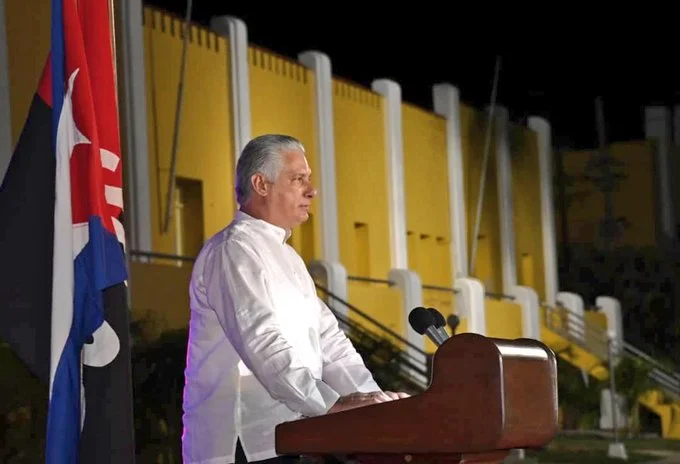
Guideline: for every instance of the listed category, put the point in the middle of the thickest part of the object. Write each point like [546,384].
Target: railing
[576,329]
[667,379]
[371,280]
[440,288]
[165,256]
[382,343]
[594,339]
[499,296]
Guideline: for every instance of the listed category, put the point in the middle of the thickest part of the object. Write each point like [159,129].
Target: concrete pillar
[235,30]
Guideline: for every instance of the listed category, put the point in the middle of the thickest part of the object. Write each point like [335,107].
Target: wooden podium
[486,397]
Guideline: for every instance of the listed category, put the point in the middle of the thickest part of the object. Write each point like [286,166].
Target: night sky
[420,48]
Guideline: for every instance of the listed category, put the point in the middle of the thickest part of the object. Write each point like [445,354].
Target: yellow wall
[363,213]
[488,262]
[426,186]
[526,191]
[380,302]
[361,180]
[160,295]
[205,151]
[503,319]
[427,195]
[635,198]
[28,43]
[282,101]
[596,319]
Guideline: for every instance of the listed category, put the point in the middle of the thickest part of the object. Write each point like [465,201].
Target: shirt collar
[279,233]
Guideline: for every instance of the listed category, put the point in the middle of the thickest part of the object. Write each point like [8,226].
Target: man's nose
[311,191]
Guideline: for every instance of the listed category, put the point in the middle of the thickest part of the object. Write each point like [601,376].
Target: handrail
[371,280]
[641,354]
[151,254]
[406,359]
[499,296]
[667,379]
[440,288]
[575,328]
[384,328]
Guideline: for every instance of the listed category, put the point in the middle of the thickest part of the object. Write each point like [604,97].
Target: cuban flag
[64,307]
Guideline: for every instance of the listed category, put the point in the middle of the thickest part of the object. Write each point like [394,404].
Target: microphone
[423,322]
[453,322]
[440,323]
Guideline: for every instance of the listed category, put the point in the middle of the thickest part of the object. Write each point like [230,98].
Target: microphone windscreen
[438,318]
[453,321]
[420,319]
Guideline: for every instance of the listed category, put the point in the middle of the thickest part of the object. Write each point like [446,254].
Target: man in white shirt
[263,348]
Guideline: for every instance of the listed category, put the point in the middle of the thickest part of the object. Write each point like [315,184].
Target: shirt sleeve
[343,369]
[237,289]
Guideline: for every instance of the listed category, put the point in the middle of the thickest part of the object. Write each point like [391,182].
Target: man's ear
[260,184]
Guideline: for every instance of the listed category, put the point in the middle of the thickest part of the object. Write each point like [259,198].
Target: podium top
[485,394]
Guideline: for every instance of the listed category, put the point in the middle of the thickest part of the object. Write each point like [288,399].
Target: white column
[658,128]
[134,113]
[573,302]
[334,275]
[611,307]
[412,296]
[408,281]
[470,304]
[504,187]
[395,164]
[321,65]
[470,299]
[447,104]
[5,102]
[329,266]
[237,33]
[542,129]
[525,297]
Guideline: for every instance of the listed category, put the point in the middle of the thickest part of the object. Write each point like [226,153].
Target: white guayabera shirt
[263,348]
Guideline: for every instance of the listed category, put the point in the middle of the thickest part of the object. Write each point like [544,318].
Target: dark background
[418,48]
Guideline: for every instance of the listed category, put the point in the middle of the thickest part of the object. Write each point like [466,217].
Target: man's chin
[303,217]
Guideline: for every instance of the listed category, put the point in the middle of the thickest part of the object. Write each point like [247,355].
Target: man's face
[291,194]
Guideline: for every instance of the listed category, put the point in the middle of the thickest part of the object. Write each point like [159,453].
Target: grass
[593,449]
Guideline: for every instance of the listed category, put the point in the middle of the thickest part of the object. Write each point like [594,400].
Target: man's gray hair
[262,154]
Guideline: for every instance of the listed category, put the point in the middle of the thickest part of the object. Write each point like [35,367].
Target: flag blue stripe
[63,419]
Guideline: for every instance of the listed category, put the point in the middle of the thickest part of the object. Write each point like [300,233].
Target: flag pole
[112,25]
[114,55]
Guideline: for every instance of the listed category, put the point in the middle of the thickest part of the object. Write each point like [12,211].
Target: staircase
[396,364]
[586,346]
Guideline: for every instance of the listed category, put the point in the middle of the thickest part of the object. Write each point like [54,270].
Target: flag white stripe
[114,195]
[109,159]
[62,269]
